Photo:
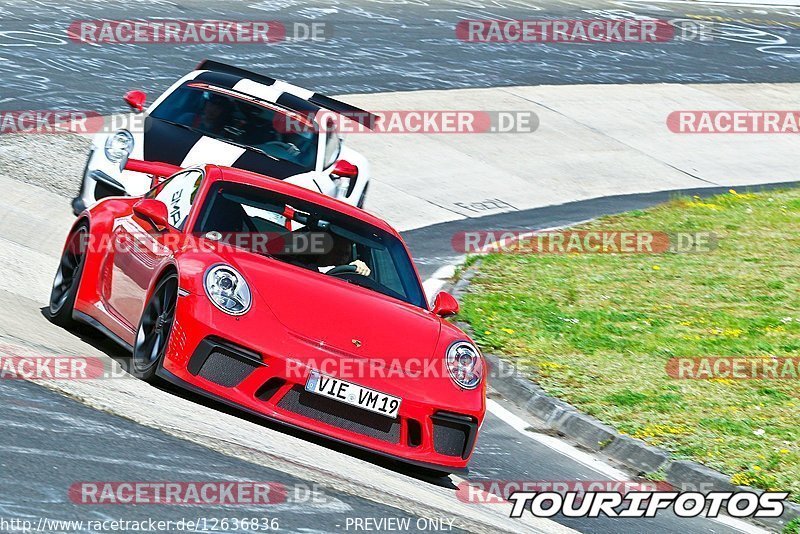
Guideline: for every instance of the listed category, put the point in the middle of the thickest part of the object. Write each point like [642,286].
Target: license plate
[353,394]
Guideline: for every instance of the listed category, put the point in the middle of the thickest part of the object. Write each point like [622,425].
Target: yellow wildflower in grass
[656,268]
[658,430]
[701,204]
[741,196]
[725,332]
[741,479]
[507,330]
[723,381]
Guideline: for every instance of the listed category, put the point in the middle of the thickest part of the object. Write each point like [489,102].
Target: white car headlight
[227,290]
[465,364]
[119,146]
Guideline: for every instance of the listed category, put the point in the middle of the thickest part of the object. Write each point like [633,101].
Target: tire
[152,336]
[68,277]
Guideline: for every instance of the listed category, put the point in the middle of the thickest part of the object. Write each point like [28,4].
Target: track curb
[592,434]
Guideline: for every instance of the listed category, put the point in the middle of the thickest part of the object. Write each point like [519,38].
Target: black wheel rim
[155,326]
[67,274]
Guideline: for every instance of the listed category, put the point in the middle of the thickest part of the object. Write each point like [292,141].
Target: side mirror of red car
[135,99]
[152,210]
[445,305]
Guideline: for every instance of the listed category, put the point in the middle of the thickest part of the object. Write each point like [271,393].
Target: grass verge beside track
[598,330]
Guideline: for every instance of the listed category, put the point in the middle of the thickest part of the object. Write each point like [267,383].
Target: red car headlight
[465,364]
[227,289]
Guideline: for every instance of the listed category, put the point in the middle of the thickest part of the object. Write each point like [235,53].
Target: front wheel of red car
[68,278]
[154,329]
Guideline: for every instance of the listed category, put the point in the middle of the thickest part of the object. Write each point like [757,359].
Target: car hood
[330,315]
[179,146]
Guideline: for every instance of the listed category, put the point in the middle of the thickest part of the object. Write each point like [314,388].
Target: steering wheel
[342,269]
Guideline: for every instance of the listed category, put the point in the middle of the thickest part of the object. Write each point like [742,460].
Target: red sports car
[279,301]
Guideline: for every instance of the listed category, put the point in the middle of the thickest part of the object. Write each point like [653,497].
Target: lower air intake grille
[224,370]
[223,363]
[341,415]
[453,435]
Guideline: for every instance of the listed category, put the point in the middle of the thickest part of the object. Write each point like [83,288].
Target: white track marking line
[437,280]
[494,500]
[738,524]
[583,458]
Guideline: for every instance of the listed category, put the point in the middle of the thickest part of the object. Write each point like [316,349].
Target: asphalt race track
[381,46]
[53,437]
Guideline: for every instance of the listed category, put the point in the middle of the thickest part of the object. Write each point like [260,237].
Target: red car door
[140,249]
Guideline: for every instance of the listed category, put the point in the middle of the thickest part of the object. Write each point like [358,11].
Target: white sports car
[229,116]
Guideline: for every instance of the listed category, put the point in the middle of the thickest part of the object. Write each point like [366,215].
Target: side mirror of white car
[136,100]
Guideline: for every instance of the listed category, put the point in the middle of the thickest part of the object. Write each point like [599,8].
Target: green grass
[598,329]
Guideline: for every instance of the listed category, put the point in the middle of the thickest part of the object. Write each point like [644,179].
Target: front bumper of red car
[224,358]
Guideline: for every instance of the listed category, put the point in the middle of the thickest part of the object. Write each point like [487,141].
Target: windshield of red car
[223,115]
[310,236]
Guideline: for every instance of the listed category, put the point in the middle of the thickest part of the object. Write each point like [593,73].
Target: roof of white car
[277,91]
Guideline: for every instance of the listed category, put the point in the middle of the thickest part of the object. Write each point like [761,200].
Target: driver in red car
[340,254]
